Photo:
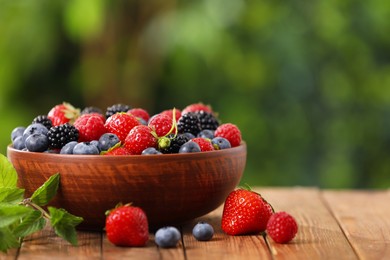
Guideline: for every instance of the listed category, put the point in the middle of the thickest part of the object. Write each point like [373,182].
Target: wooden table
[332,225]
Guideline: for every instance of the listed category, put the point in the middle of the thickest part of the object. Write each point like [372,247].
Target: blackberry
[175,144]
[90,110]
[207,120]
[44,120]
[189,123]
[116,108]
[61,135]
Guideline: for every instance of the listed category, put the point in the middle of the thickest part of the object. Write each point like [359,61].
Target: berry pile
[123,130]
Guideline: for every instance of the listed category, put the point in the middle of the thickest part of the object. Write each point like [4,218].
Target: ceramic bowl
[170,188]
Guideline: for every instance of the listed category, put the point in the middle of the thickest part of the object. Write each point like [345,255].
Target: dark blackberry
[44,120]
[175,144]
[116,108]
[189,123]
[89,110]
[61,135]
[207,120]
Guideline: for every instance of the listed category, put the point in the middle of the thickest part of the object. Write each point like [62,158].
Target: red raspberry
[90,126]
[63,113]
[169,113]
[197,107]
[161,125]
[120,150]
[127,226]
[139,113]
[229,131]
[121,124]
[204,144]
[282,227]
[140,138]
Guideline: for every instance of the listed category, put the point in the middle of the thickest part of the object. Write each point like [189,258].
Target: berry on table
[61,135]
[120,124]
[63,113]
[90,127]
[282,227]
[203,231]
[127,225]
[229,131]
[168,236]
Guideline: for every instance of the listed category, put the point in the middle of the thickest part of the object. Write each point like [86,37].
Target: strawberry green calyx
[70,112]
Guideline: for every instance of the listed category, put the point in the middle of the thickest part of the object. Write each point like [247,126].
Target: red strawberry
[63,113]
[282,227]
[140,138]
[90,126]
[121,124]
[127,226]
[170,113]
[197,107]
[245,212]
[117,149]
[139,113]
[162,125]
[229,131]
[204,144]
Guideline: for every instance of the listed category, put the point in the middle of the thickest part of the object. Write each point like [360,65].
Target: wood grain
[364,217]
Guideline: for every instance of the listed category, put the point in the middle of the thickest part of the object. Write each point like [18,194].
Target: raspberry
[140,138]
[90,126]
[170,112]
[204,144]
[139,113]
[230,132]
[282,227]
[121,124]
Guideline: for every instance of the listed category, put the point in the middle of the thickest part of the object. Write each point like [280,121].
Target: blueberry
[220,143]
[206,134]
[189,135]
[18,131]
[19,143]
[203,231]
[189,147]
[37,142]
[85,148]
[150,150]
[167,237]
[34,128]
[96,143]
[68,148]
[108,140]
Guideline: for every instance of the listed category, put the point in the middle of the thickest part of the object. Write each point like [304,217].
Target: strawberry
[230,132]
[163,125]
[90,126]
[117,150]
[282,227]
[204,144]
[127,225]
[170,112]
[121,124]
[245,212]
[63,113]
[139,113]
[140,138]
[197,107]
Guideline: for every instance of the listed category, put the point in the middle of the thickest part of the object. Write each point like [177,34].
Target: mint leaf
[11,195]
[8,175]
[10,213]
[64,224]
[31,223]
[7,239]
[47,191]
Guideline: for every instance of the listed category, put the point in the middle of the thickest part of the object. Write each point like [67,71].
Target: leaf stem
[28,202]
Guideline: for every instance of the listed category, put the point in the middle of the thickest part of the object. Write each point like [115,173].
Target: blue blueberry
[220,143]
[68,148]
[35,128]
[85,148]
[108,140]
[18,131]
[189,135]
[203,231]
[167,237]
[19,143]
[96,143]
[37,142]
[206,133]
[189,147]
[150,150]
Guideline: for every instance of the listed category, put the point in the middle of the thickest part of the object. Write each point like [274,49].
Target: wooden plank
[223,246]
[319,235]
[11,254]
[47,245]
[364,217]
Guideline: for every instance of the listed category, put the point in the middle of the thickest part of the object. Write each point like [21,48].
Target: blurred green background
[307,82]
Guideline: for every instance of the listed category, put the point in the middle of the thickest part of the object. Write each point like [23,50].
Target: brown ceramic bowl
[171,188]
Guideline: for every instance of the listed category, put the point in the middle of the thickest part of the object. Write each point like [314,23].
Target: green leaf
[10,213]
[8,175]
[47,191]
[7,239]
[64,224]
[11,195]
[31,223]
